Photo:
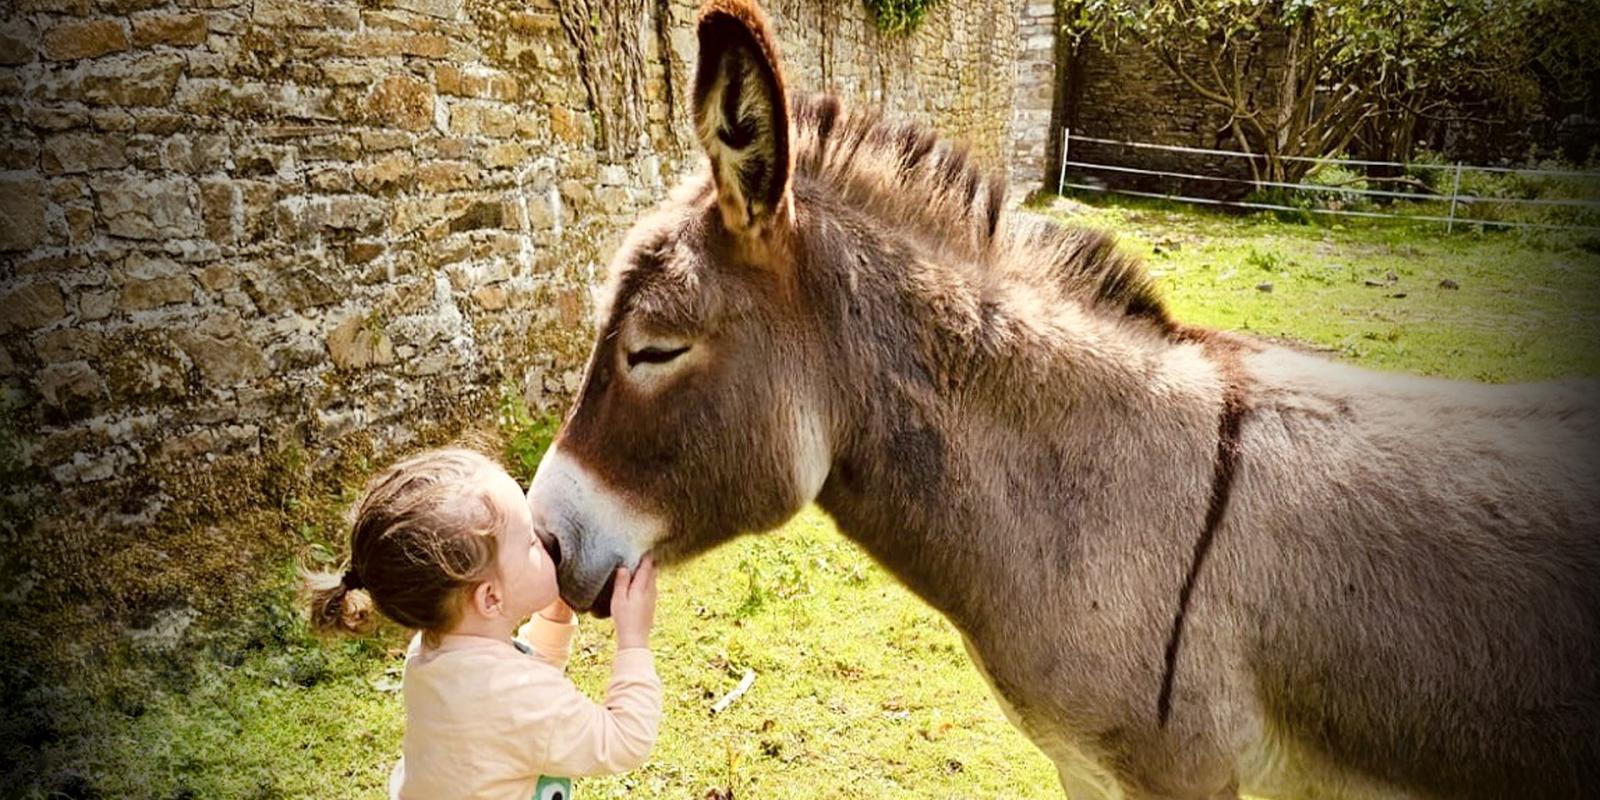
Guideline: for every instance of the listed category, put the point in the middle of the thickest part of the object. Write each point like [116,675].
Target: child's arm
[589,738]
[549,633]
[594,739]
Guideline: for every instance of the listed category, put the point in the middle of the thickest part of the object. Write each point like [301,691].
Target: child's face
[526,575]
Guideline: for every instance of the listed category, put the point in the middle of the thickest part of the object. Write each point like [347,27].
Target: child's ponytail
[339,603]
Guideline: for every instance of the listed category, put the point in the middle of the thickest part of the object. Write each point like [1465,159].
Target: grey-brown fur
[1402,595]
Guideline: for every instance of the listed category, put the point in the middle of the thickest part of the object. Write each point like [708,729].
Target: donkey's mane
[931,189]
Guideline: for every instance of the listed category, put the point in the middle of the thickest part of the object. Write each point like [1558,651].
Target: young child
[444,544]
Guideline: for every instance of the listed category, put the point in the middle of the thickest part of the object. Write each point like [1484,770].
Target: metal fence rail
[1455,197]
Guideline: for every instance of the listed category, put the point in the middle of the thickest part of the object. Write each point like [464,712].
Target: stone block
[88,39]
[142,295]
[386,44]
[163,209]
[363,252]
[178,30]
[614,199]
[385,141]
[22,213]
[217,278]
[330,179]
[71,390]
[358,343]
[540,214]
[148,81]
[478,216]
[32,305]
[476,82]
[576,193]
[274,292]
[505,154]
[80,223]
[296,14]
[401,101]
[83,152]
[96,305]
[490,298]
[307,216]
[567,126]
[218,199]
[440,9]
[18,153]
[222,362]
[446,176]
[17,43]
[69,344]
[86,468]
[570,303]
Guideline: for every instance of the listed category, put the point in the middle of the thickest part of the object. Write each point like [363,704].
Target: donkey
[1189,564]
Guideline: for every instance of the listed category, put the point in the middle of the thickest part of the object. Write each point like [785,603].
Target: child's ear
[486,599]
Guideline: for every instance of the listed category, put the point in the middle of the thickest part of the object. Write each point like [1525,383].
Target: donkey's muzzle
[602,601]
[551,545]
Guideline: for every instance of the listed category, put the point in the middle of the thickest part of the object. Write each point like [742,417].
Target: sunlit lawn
[860,691]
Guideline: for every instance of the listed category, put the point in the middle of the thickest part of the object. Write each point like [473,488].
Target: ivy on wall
[899,16]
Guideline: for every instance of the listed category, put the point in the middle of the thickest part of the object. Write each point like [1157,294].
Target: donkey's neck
[991,423]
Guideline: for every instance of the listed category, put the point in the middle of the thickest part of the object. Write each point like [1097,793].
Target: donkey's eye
[654,355]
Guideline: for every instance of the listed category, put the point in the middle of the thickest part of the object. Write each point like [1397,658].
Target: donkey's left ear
[741,115]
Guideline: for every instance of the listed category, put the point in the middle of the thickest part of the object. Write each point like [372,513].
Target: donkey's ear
[741,115]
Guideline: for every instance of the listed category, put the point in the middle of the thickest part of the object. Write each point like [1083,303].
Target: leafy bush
[1344,188]
[899,16]
[1488,194]
[527,435]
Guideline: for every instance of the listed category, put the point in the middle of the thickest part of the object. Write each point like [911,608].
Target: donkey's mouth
[551,544]
[601,607]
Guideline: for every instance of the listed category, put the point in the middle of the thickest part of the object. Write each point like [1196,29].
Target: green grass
[1527,306]
[860,691]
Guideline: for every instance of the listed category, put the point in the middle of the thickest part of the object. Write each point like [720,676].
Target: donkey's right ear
[741,115]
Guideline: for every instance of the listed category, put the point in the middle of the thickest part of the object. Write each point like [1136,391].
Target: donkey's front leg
[1231,792]
[1081,785]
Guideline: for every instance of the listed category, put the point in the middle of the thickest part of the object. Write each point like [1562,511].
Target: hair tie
[351,581]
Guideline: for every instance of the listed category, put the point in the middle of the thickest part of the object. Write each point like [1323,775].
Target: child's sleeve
[551,641]
[589,738]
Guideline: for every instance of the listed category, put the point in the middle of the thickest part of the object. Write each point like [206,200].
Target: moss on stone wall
[900,16]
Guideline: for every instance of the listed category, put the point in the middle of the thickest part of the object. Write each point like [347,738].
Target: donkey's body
[1186,562]
[1403,592]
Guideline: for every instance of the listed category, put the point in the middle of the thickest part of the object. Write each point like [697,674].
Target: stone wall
[1036,94]
[1126,94]
[239,234]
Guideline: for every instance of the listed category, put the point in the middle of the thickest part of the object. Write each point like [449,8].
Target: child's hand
[633,604]
[557,611]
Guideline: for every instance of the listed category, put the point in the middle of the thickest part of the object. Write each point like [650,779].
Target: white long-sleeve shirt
[485,718]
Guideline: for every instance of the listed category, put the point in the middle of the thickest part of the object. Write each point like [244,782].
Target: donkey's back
[1432,612]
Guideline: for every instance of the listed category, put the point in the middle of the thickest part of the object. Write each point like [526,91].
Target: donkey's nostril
[552,545]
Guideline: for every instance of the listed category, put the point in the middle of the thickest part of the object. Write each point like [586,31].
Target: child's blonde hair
[426,531]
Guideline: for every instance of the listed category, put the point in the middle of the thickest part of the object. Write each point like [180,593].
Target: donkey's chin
[601,605]
[581,597]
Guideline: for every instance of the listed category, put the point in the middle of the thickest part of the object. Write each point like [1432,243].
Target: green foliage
[1489,195]
[1343,68]
[900,16]
[527,435]
[20,491]
[1264,260]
